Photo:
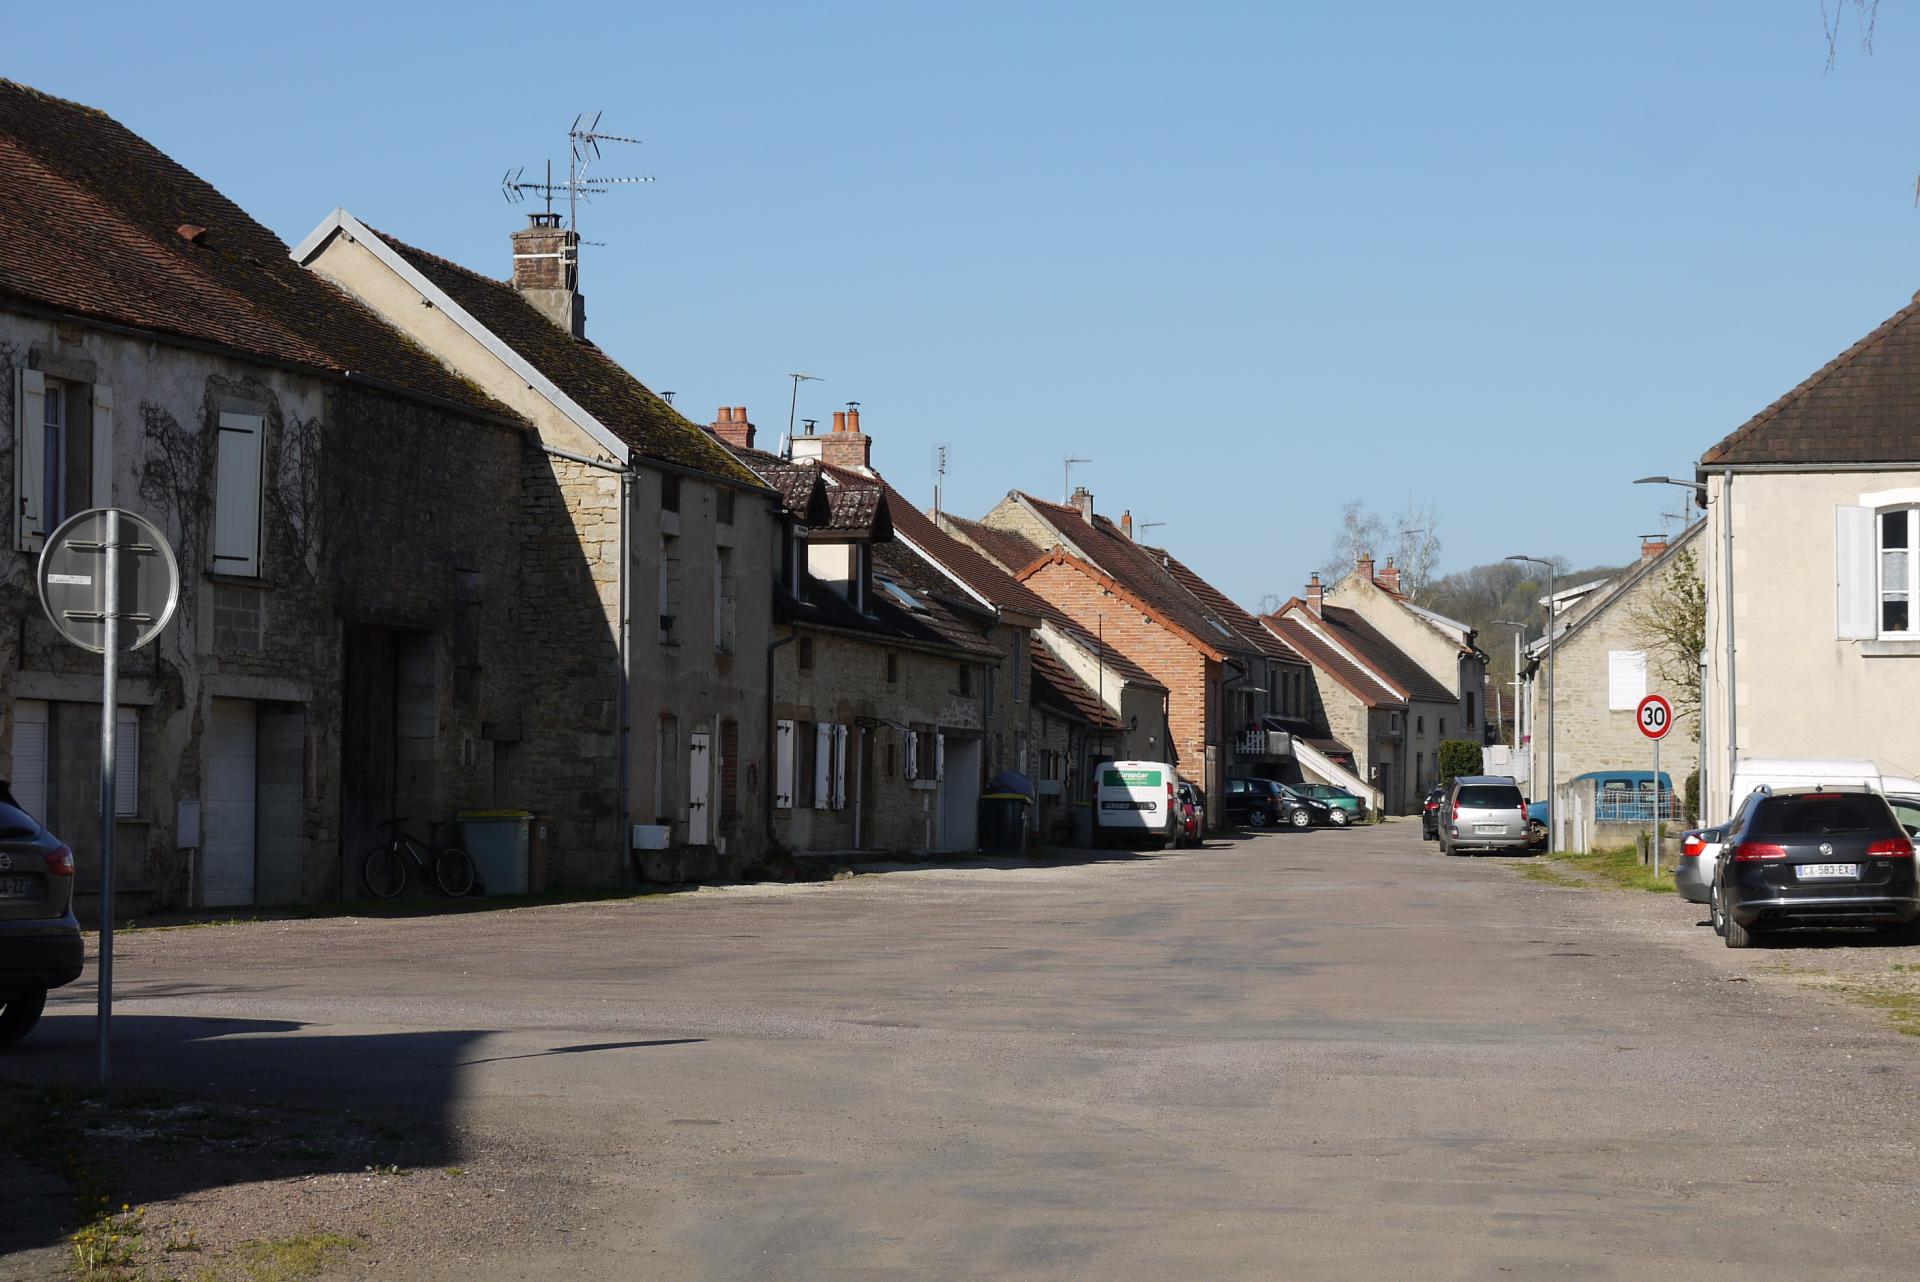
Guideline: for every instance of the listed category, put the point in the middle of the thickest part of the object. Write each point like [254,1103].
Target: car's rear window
[1486,796]
[16,823]
[1822,814]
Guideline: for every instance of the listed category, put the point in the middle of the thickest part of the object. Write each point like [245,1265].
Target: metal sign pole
[1656,808]
[109,707]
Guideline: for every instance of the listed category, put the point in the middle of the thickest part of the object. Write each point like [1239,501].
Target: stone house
[348,516]
[678,539]
[1809,559]
[1227,679]
[1385,713]
[1601,673]
[884,680]
[1444,648]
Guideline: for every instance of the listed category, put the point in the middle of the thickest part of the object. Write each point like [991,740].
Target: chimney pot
[853,420]
[839,420]
[739,413]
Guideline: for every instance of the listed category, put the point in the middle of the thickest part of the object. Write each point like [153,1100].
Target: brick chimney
[1126,523]
[1652,545]
[1391,576]
[845,446]
[1083,503]
[546,271]
[731,426]
[1316,594]
[1364,563]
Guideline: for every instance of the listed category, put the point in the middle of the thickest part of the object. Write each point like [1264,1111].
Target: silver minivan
[1482,812]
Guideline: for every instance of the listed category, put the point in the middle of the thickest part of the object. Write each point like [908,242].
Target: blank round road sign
[1654,716]
[71,580]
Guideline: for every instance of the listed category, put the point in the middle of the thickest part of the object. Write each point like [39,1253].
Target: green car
[1334,796]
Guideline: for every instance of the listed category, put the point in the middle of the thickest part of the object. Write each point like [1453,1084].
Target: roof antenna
[583,148]
[1068,486]
[1148,525]
[939,474]
[786,444]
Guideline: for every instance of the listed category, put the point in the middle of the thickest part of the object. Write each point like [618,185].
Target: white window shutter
[102,445]
[939,756]
[783,765]
[1856,597]
[29,780]
[126,762]
[29,459]
[822,765]
[839,767]
[236,504]
[1626,679]
[912,754]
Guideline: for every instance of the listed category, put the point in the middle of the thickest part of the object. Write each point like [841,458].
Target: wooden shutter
[29,780]
[939,756]
[839,767]
[822,765]
[29,459]
[1626,679]
[912,754]
[126,762]
[783,765]
[1856,597]
[102,445]
[236,503]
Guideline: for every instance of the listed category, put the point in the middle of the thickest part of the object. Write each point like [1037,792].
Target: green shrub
[1693,796]
[1458,757]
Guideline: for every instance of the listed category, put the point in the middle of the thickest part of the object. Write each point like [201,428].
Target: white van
[1133,803]
[1812,772]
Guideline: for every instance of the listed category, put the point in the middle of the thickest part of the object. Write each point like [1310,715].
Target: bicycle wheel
[453,870]
[385,872]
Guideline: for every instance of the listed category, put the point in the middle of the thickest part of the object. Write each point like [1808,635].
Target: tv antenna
[1148,525]
[1068,486]
[786,446]
[583,148]
[939,475]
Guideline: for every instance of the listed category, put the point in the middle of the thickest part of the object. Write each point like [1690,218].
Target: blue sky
[1252,260]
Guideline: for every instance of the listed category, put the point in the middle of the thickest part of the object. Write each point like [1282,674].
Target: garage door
[30,757]
[227,851]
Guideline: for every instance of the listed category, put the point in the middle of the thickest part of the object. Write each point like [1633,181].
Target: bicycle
[385,870]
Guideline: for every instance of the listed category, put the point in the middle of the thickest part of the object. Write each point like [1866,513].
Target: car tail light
[60,862]
[1747,850]
[1456,810]
[1892,848]
[1692,844]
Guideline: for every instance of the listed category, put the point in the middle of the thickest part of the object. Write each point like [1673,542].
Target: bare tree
[1411,539]
[1671,626]
[1865,14]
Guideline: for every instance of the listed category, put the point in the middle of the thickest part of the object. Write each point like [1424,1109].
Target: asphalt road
[1323,1055]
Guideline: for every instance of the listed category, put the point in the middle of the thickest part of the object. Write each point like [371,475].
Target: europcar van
[1134,804]
[1781,773]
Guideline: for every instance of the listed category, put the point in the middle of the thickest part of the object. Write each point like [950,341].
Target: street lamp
[1700,714]
[1553,807]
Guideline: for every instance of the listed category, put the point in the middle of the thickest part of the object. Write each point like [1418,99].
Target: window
[804,746]
[236,498]
[1472,720]
[669,590]
[723,506]
[63,462]
[890,763]
[666,772]
[1419,725]
[1897,564]
[966,678]
[1019,644]
[1443,727]
[804,653]
[669,494]
[893,669]
[723,600]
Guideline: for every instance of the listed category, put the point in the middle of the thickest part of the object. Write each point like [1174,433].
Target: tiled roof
[1357,681]
[1241,621]
[890,622]
[597,383]
[1861,407]
[963,562]
[1382,655]
[858,505]
[1004,548]
[1054,685]
[91,223]
[961,626]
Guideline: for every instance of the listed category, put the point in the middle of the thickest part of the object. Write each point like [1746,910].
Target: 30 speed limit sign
[1654,717]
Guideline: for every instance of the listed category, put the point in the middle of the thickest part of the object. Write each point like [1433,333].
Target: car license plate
[1811,872]
[1129,805]
[17,888]
[1489,827]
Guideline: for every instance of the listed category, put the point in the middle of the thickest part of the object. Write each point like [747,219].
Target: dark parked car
[1337,797]
[1813,857]
[1319,809]
[40,944]
[1430,814]
[1263,803]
